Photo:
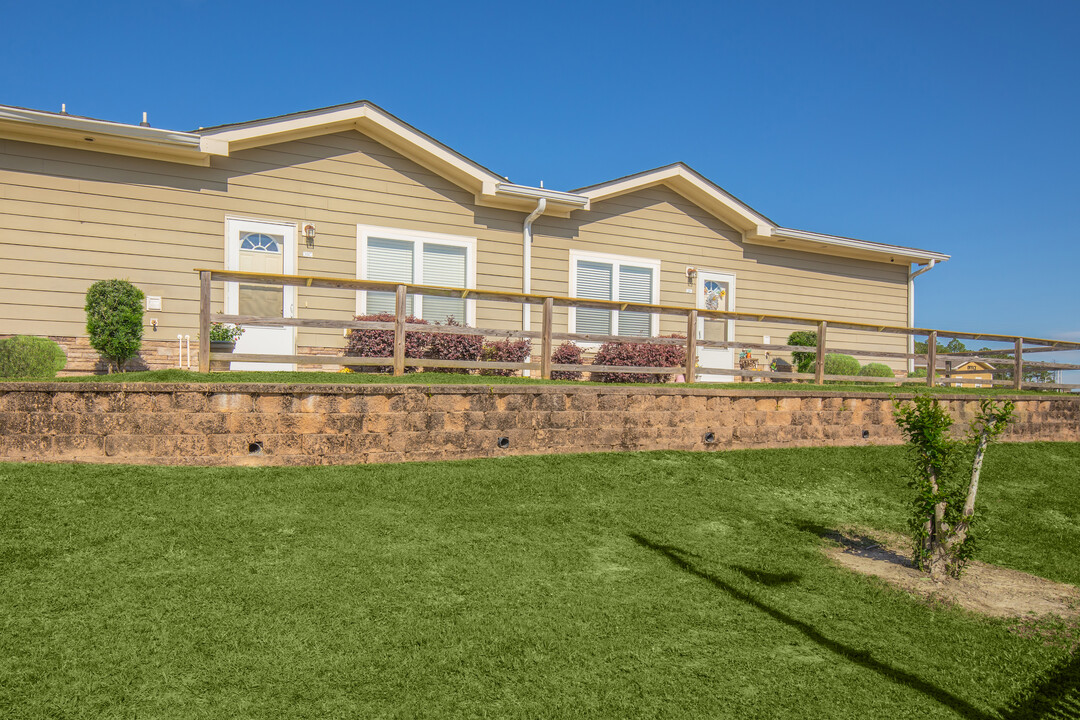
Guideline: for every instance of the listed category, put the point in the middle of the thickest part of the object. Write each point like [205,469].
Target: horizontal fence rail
[1007,361]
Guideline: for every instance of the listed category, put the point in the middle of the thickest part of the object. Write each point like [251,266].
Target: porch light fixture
[309,234]
[691,276]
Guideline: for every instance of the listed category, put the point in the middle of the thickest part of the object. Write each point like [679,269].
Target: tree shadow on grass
[678,557]
[857,544]
[1056,696]
[767,579]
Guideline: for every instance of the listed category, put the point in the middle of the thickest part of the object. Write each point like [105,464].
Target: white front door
[716,291]
[262,247]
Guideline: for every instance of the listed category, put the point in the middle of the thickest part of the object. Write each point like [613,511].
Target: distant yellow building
[974,379]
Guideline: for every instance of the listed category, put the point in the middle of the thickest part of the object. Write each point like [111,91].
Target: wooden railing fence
[932,360]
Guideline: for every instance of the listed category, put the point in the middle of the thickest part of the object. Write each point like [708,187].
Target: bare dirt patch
[985,589]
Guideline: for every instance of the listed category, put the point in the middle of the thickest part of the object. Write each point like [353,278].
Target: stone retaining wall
[255,424]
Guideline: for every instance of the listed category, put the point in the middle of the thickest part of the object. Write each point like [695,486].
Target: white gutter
[187,141]
[916,254]
[573,200]
[526,260]
[911,308]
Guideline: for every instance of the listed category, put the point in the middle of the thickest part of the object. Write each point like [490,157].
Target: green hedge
[836,364]
[877,370]
[24,356]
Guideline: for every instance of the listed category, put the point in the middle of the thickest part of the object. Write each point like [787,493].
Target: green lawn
[433,378]
[622,585]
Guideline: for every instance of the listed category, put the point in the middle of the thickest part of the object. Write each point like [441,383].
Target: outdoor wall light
[503,443]
[309,234]
[691,276]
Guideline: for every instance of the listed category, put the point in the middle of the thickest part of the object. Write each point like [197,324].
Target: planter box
[221,346]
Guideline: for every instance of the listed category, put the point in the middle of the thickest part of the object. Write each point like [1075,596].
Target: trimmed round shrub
[445,346]
[566,354]
[380,343]
[917,373]
[25,356]
[506,350]
[114,320]
[804,361]
[836,364]
[876,370]
[638,354]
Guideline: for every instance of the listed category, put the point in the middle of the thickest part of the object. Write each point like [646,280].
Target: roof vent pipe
[145,122]
[526,260]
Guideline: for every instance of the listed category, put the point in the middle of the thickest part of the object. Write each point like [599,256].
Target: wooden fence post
[204,321]
[399,331]
[691,346]
[545,339]
[931,358]
[819,365]
[1018,365]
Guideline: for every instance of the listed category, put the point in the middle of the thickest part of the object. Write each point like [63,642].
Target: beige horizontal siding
[657,224]
[71,217]
[153,222]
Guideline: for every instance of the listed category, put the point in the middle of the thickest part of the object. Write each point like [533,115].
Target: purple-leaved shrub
[638,354]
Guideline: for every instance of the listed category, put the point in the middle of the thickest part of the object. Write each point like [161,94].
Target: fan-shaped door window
[261,253]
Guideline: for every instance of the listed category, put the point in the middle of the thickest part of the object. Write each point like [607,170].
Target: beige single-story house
[351,191]
[974,373]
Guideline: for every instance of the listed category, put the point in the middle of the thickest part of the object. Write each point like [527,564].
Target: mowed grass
[619,585]
[436,378]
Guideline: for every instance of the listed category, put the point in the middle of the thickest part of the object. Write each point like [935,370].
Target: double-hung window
[613,277]
[411,257]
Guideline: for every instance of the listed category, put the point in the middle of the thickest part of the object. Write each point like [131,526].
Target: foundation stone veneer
[263,424]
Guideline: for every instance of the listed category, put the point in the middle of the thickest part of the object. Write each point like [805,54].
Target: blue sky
[952,126]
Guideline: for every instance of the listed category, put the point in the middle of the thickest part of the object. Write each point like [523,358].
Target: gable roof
[981,365]
[756,228]
[368,118]
[689,183]
[490,189]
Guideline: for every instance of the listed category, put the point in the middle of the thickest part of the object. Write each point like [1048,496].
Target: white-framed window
[420,258]
[614,277]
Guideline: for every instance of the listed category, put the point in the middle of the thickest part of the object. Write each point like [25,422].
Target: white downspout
[526,261]
[911,308]
[526,266]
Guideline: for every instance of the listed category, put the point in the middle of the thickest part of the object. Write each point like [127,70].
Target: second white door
[716,291]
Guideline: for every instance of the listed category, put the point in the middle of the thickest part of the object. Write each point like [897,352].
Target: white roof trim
[368,119]
[571,200]
[688,183]
[756,228]
[915,254]
[99,127]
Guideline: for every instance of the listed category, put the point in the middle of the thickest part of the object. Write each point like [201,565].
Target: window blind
[444,265]
[635,285]
[594,281]
[388,261]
